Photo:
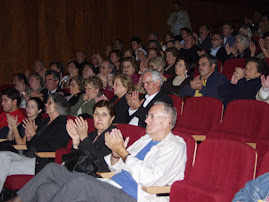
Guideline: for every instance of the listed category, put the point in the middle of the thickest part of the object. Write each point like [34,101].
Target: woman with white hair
[241,47]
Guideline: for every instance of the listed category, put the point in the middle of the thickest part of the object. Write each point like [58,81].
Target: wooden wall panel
[53,30]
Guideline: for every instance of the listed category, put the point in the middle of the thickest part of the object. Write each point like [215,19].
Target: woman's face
[55,68]
[127,68]
[74,88]
[152,54]
[119,89]
[87,72]
[251,70]
[181,68]
[102,118]
[91,91]
[50,106]
[127,54]
[170,58]
[71,68]
[239,45]
[114,58]
[184,34]
[32,110]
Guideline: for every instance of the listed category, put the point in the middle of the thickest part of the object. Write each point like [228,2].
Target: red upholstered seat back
[264,167]
[200,114]
[177,104]
[230,65]
[224,164]
[134,132]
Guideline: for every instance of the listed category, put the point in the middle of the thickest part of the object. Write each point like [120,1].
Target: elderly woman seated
[49,136]
[129,66]
[76,89]
[245,83]
[86,102]
[183,70]
[241,47]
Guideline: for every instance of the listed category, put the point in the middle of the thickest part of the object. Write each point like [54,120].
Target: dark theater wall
[53,30]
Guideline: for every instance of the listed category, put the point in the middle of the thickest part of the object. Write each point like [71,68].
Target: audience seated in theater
[183,75]
[170,57]
[52,79]
[263,26]
[106,75]
[49,136]
[96,60]
[10,101]
[129,53]
[16,134]
[151,53]
[184,32]
[169,36]
[130,66]
[204,40]
[137,48]
[254,191]
[245,83]
[263,93]
[80,59]
[246,31]
[141,164]
[73,70]
[115,57]
[39,68]
[76,89]
[253,23]
[217,49]
[36,85]
[207,83]
[87,70]
[20,83]
[264,45]
[227,32]
[139,106]
[58,67]
[240,49]
[190,49]
[118,44]
[86,102]
[159,64]
[123,84]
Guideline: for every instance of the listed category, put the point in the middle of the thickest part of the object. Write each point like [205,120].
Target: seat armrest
[157,190]
[2,140]
[105,174]
[20,147]
[46,154]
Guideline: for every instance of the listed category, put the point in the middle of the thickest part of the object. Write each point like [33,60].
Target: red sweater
[21,113]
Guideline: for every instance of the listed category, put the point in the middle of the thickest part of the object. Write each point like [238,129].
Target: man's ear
[15,101]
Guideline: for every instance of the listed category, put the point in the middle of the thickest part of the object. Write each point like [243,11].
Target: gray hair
[159,62]
[170,110]
[61,104]
[249,32]
[244,39]
[155,75]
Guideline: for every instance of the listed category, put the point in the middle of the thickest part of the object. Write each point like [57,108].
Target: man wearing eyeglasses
[207,83]
[139,106]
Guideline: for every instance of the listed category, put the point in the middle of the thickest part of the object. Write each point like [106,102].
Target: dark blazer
[121,109]
[244,89]
[171,70]
[45,93]
[169,88]
[190,53]
[221,54]
[230,40]
[206,43]
[98,147]
[142,112]
[214,81]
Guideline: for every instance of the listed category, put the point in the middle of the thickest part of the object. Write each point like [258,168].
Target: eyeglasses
[153,116]
[146,83]
[103,115]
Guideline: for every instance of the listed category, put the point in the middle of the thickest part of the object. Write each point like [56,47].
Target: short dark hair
[137,39]
[230,24]
[107,104]
[154,33]
[262,66]
[40,105]
[13,94]
[190,66]
[22,77]
[59,65]
[207,27]
[132,61]
[173,50]
[188,30]
[75,63]
[171,34]
[211,59]
[55,74]
[118,53]
[80,81]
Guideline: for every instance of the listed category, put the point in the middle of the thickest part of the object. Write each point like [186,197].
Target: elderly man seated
[156,159]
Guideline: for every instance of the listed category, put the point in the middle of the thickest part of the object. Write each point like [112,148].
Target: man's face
[8,104]
[50,83]
[135,45]
[118,45]
[80,57]
[189,42]
[150,86]
[38,67]
[203,32]
[16,82]
[226,30]
[155,120]
[216,41]
[204,68]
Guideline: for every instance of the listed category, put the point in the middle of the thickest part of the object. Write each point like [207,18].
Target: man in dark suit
[52,79]
[139,107]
